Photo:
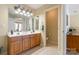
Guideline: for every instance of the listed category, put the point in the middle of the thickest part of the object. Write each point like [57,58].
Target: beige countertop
[75,33]
[22,33]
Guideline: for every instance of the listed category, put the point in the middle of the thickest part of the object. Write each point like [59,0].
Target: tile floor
[47,51]
[32,50]
[51,50]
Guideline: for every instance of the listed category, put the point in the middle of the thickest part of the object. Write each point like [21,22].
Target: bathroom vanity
[18,43]
[24,32]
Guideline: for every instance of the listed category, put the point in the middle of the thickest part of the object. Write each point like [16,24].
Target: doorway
[52,27]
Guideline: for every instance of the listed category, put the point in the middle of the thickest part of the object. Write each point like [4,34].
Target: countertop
[75,33]
[22,33]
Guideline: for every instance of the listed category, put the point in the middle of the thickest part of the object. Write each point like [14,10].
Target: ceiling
[35,6]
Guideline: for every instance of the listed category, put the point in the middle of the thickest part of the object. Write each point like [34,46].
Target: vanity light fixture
[20,10]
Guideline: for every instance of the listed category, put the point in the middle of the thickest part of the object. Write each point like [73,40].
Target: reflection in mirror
[18,27]
[37,23]
[21,23]
[18,23]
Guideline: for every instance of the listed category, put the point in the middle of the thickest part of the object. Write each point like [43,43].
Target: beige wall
[74,21]
[52,26]
[3,25]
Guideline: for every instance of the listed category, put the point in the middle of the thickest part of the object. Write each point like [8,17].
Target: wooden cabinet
[35,40]
[11,49]
[38,37]
[15,44]
[21,43]
[16,47]
[73,42]
[26,42]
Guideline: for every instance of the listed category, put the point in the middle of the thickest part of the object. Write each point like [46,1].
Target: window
[18,27]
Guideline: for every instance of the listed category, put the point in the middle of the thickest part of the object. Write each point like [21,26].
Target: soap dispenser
[11,31]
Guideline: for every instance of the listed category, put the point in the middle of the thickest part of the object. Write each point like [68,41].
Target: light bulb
[16,12]
[18,9]
[27,13]
[23,11]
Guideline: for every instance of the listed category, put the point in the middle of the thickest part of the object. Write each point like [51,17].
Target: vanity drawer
[26,37]
[13,39]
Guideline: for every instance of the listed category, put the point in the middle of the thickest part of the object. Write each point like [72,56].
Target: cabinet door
[38,38]
[20,46]
[17,47]
[72,42]
[11,44]
[33,40]
[11,49]
[77,43]
[26,42]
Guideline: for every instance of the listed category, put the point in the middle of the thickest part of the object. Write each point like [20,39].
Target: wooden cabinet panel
[38,38]
[11,49]
[70,42]
[20,44]
[15,45]
[33,41]
[73,42]
[26,42]
[76,43]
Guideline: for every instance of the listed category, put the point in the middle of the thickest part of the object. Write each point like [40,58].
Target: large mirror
[36,21]
[19,23]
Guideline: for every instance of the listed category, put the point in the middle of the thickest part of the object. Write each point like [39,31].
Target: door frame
[55,7]
[61,27]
